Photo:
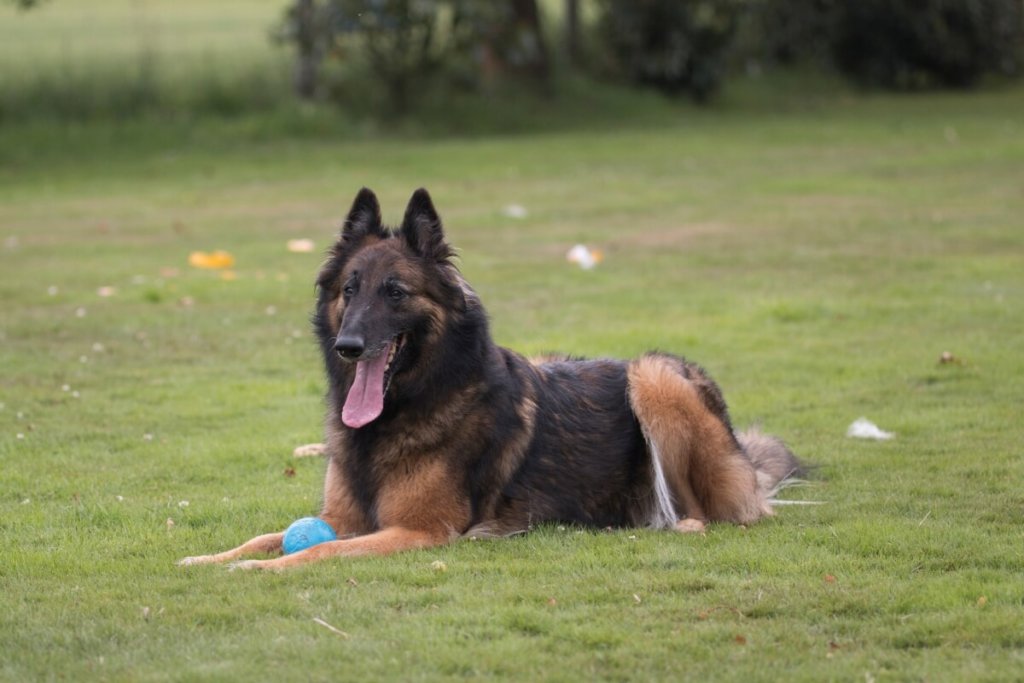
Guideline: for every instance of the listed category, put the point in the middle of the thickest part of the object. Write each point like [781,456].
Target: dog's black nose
[349,347]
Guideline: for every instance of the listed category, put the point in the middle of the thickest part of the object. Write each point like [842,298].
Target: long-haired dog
[434,432]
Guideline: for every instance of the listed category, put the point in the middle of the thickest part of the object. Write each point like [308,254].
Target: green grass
[120,58]
[816,252]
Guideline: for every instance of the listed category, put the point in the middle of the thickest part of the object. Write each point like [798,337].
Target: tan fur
[339,310]
[261,545]
[424,499]
[339,509]
[547,358]
[417,509]
[709,477]
[512,455]
[384,542]
[421,437]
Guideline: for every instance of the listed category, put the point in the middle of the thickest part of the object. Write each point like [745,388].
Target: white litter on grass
[515,211]
[301,246]
[309,450]
[583,256]
[863,428]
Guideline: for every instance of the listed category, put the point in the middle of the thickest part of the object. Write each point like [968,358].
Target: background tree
[403,43]
[924,43]
[677,47]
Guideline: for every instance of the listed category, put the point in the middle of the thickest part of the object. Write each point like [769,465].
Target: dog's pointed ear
[422,229]
[363,220]
[364,216]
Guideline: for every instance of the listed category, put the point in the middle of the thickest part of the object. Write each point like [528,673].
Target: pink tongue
[365,399]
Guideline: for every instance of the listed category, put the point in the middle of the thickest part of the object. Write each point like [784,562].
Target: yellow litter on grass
[212,259]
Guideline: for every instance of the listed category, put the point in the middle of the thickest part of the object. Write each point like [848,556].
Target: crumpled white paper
[863,428]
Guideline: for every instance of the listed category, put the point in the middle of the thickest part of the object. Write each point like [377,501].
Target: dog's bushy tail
[776,465]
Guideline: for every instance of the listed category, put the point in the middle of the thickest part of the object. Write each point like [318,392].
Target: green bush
[790,31]
[381,55]
[910,44]
[677,47]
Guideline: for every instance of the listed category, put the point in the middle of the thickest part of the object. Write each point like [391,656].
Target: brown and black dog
[435,433]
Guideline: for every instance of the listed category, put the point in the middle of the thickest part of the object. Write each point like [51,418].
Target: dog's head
[385,297]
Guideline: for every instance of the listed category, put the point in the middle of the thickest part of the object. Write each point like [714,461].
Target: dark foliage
[911,44]
[678,47]
[791,31]
[396,46]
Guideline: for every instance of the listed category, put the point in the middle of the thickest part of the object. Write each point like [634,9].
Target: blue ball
[306,533]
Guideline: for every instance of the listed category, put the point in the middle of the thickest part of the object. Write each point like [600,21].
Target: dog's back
[641,443]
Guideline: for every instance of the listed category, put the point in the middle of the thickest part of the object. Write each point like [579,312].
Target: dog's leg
[706,470]
[265,545]
[339,508]
[383,542]
[695,518]
[418,509]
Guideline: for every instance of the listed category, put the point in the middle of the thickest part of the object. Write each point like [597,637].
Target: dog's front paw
[253,564]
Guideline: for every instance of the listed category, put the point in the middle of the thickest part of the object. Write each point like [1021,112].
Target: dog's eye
[395,294]
[348,291]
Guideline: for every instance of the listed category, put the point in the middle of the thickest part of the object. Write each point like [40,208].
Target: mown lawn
[817,253]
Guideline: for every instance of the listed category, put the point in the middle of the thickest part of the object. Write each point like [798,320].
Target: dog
[434,432]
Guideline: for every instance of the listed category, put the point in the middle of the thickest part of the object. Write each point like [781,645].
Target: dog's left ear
[422,230]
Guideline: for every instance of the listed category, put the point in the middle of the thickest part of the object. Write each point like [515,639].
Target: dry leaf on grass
[212,259]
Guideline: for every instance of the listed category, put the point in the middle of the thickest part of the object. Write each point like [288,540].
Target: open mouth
[395,348]
[365,400]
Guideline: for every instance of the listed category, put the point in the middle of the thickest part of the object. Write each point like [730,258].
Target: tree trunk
[527,19]
[308,60]
[572,31]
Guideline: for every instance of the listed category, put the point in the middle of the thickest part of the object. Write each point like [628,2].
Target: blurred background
[468,65]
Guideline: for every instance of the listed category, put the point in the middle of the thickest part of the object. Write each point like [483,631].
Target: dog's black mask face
[384,296]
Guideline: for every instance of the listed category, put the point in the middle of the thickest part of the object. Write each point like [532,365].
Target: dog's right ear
[363,218]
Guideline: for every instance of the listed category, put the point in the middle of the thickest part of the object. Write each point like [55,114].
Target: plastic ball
[306,533]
